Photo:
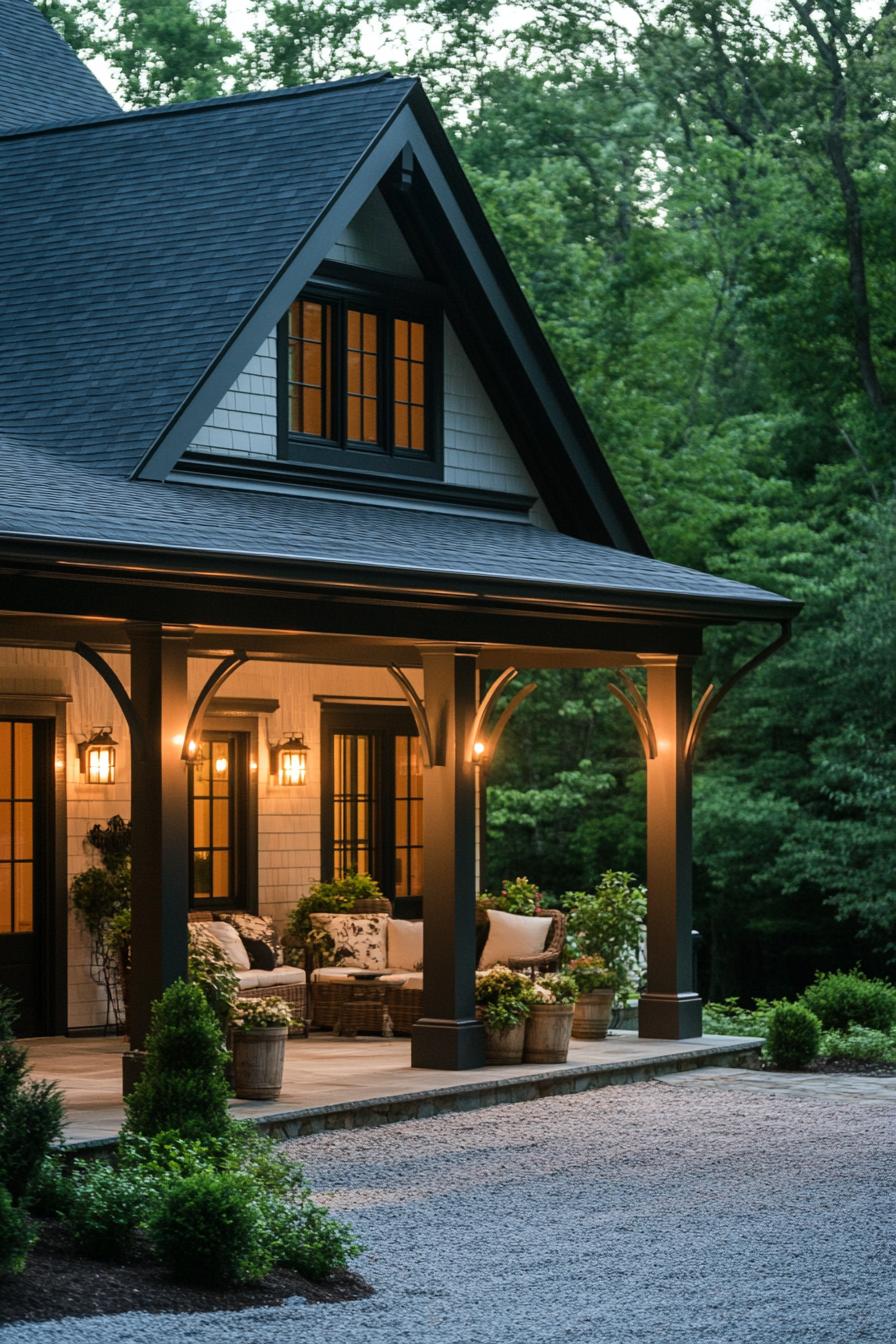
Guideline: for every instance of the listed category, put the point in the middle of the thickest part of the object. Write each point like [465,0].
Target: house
[287,467]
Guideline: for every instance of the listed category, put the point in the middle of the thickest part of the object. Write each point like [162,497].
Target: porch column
[670,1009]
[448,1035]
[160,884]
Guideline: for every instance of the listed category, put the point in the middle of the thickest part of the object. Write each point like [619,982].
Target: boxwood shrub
[844,999]
[793,1036]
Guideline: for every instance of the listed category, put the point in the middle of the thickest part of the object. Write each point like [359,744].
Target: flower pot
[258,1062]
[547,1033]
[592,1015]
[505,1047]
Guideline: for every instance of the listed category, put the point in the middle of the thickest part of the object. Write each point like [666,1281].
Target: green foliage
[102,1208]
[590,973]
[112,842]
[844,999]
[48,1190]
[504,997]
[210,968]
[556,987]
[609,923]
[210,1228]
[518,896]
[335,897]
[859,1043]
[311,1241]
[794,1036]
[30,1112]
[183,1087]
[729,1018]
[16,1236]
[101,900]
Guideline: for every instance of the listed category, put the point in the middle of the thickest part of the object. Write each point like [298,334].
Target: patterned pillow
[359,940]
[257,927]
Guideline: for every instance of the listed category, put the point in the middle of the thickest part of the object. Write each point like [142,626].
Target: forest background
[699,200]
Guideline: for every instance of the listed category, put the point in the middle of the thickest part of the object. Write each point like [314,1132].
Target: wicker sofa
[285,982]
[393,1002]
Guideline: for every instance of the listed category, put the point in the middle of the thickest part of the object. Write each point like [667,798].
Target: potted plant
[549,1024]
[355,892]
[258,1042]
[609,923]
[503,1000]
[596,986]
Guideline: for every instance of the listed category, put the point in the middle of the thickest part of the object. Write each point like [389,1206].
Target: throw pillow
[255,926]
[261,955]
[359,940]
[231,942]
[513,936]
[404,944]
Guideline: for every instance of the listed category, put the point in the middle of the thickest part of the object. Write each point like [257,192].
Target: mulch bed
[58,1282]
[870,1070]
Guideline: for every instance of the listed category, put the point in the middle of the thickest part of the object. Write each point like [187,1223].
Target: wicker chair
[549,959]
[295,995]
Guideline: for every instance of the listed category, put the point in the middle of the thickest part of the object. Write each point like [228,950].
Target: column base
[670,1017]
[447,1043]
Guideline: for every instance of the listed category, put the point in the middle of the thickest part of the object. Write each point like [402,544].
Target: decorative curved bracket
[636,706]
[712,697]
[225,669]
[488,741]
[125,704]
[421,719]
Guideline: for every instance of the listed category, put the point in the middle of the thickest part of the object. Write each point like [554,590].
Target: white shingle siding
[478,450]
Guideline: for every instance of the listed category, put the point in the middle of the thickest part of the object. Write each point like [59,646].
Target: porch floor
[336,1082]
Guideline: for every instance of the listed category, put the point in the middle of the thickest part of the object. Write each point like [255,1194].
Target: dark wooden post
[448,1035]
[670,1009]
[160,884]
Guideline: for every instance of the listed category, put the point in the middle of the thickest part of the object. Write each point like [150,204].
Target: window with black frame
[222,824]
[361,380]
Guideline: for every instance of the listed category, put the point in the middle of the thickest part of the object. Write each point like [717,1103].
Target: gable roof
[41,78]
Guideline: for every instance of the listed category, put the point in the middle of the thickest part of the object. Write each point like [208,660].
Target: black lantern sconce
[97,756]
[289,759]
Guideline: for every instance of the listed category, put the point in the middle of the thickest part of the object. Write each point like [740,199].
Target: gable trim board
[608,520]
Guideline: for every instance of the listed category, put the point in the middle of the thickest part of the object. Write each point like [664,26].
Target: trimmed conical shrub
[183,1087]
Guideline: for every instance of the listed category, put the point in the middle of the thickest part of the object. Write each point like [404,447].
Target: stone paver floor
[855,1087]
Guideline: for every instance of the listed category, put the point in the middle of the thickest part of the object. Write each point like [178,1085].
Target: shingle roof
[78,503]
[41,78]
[149,238]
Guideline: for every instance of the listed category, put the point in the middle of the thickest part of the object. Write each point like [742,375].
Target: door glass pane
[22,830]
[408,816]
[16,827]
[216,795]
[22,756]
[353,803]
[5,898]
[5,832]
[24,898]
[5,760]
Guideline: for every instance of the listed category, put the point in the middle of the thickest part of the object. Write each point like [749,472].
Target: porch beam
[448,1035]
[670,1009]
[159,797]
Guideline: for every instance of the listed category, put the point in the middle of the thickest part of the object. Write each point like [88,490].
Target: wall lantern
[97,756]
[289,759]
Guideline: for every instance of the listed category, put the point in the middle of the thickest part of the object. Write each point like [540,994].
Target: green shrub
[209,967]
[609,923]
[212,1228]
[311,1241]
[518,896]
[336,897]
[16,1235]
[103,1208]
[31,1112]
[183,1087]
[843,999]
[794,1034]
[49,1189]
[728,1018]
[861,1043]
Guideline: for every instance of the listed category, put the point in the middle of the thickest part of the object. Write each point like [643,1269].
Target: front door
[25,746]
[373,801]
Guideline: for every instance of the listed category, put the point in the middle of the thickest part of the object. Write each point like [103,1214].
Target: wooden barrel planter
[547,1033]
[505,1047]
[258,1062]
[591,1019]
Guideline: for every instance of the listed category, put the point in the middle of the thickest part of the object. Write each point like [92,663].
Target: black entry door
[24,747]
[372,803]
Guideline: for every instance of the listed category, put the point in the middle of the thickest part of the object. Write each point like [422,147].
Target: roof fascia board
[260,321]
[532,365]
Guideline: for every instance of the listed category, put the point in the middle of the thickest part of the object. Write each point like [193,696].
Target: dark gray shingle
[41,79]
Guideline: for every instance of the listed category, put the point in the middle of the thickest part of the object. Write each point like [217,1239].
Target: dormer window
[360,375]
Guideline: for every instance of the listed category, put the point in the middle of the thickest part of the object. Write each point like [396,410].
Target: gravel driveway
[644,1214]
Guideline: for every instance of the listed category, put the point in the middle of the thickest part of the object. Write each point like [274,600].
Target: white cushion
[232,944]
[284,975]
[404,944]
[513,936]
[360,940]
